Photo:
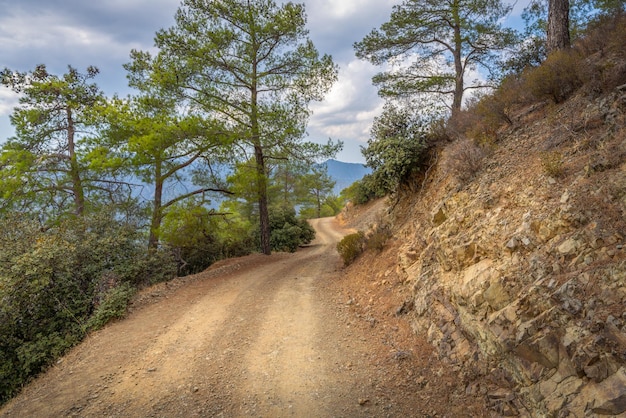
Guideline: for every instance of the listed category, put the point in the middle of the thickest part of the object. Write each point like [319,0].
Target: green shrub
[530,54]
[396,149]
[332,206]
[189,232]
[35,354]
[437,132]
[51,281]
[113,306]
[363,191]
[196,236]
[350,247]
[287,231]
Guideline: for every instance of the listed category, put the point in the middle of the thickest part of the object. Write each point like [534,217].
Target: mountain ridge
[344,174]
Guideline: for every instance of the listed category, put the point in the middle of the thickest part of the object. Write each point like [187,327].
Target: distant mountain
[345,173]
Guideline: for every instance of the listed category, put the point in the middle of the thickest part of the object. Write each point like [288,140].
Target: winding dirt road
[256,336]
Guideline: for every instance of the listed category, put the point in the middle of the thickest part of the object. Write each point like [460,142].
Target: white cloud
[518,6]
[8,100]
[348,9]
[336,25]
[350,106]
[49,33]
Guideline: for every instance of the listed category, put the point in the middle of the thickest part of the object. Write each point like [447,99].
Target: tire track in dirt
[286,367]
[201,354]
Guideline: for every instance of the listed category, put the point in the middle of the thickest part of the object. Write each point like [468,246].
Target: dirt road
[256,336]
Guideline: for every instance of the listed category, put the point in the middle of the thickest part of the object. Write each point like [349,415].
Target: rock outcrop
[519,278]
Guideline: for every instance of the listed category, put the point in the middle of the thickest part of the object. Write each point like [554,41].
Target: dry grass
[552,163]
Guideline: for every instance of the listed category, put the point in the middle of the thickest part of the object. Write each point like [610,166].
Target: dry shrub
[557,78]
[439,133]
[496,109]
[598,60]
[605,34]
[471,123]
[463,159]
[488,119]
[603,76]
[613,74]
[511,93]
[605,45]
[353,245]
[461,122]
[378,237]
[617,34]
[485,115]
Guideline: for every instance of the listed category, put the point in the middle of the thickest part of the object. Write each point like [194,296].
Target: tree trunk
[457,101]
[558,25]
[261,175]
[77,184]
[319,203]
[157,209]
[264,217]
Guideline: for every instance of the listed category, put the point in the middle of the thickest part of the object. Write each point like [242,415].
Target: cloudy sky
[80,33]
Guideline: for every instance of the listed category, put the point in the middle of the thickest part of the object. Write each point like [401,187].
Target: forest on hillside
[208,159]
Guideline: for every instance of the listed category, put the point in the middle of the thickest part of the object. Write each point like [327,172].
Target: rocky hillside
[518,276]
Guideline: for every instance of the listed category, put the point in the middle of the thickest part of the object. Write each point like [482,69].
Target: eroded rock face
[522,279]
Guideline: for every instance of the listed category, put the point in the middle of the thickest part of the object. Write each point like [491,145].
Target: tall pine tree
[431,46]
[43,169]
[250,64]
